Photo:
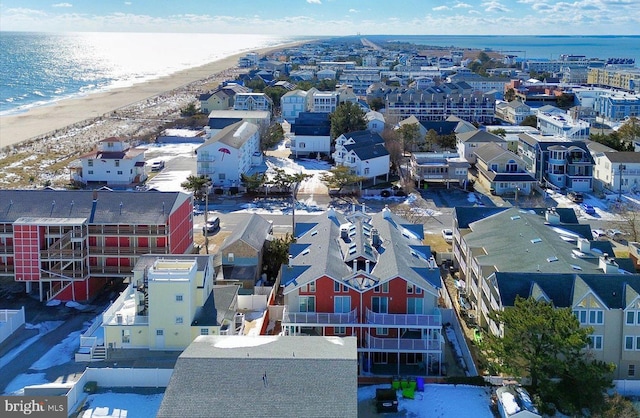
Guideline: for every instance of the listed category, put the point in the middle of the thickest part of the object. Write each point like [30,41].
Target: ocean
[37,69]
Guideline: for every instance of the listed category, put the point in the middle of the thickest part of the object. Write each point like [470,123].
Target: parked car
[588,209]
[575,197]
[615,234]
[599,235]
[447,234]
[386,400]
[212,226]
[157,165]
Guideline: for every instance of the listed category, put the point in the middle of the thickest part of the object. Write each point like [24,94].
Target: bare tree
[629,223]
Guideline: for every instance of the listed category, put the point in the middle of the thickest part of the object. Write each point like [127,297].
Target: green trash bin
[395,383]
[408,393]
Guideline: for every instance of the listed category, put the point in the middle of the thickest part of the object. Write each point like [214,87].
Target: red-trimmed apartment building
[68,244]
[368,276]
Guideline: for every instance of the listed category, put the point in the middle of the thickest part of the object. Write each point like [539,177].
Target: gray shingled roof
[490,151]
[623,157]
[479,136]
[518,240]
[254,232]
[264,376]
[111,207]
[371,151]
[320,251]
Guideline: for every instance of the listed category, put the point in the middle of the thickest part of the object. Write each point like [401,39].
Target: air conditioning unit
[231,258]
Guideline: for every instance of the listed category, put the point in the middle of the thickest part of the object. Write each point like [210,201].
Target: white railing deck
[382,319]
[319,317]
[403,344]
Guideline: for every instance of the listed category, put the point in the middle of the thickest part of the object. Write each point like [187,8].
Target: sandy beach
[38,145]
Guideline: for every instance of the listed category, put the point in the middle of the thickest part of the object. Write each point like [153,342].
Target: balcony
[127,251]
[406,320]
[322,318]
[402,344]
[128,230]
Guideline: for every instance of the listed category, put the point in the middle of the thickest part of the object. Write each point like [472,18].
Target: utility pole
[620,168]
[294,191]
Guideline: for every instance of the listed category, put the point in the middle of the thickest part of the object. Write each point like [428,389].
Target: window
[631,315]
[632,370]
[307,303]
[596,317]
[90,162]
[179,298]
[301,145]
[385,287]
[590,316]
[179,320]
[366,171]
[90,171]
[342,304]
[310,287]
[119,172]
[336,287]
[628,343]
[222,176]
[595,342]
[117,163]
[339,330]
[410,289]
[126,336]
[204,331]
[380,304]
[414,306]
[159,332]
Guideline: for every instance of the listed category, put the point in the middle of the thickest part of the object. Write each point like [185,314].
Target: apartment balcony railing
[402,344]
[109,271]
[408,320]
[127,251]
[6,249]
[122,319]
[6,269]
[128,230]
[65,254]
[319,317]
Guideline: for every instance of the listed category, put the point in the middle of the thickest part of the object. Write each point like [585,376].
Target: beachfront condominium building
[168,303]
[369,276]
[229,153]
[67,244]
[114,163]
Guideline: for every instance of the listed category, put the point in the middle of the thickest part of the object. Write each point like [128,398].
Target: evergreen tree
[348,117]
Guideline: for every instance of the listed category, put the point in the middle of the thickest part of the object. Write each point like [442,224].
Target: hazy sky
[328,17]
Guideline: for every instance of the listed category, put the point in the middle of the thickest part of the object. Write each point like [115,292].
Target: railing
[404,319]
[127,230]
[6,249]
[402,344]
[119,319]
[58,253]
[127,251]
[319,317]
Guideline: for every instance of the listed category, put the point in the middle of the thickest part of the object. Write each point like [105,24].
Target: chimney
[353,207]
[289,263]
[386,212]
[354,263]
[608,265]
[375,238]
[584,244]
[364,211]
[552,216]
[344,232]
[367,263]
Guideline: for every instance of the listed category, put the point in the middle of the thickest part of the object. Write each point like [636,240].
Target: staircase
[99,353]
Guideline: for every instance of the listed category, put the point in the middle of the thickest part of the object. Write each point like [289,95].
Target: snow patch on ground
[443,401]
[16,386]
[118,405]
[60,354]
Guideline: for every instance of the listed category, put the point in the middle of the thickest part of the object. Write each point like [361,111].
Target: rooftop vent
[552,259]
[536,240]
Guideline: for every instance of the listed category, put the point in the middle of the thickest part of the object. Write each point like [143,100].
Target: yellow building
[170,301]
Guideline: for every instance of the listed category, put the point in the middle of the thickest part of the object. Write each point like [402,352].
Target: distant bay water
[37,69]
[533,47]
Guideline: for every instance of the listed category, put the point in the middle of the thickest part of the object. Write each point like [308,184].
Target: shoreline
[58,118]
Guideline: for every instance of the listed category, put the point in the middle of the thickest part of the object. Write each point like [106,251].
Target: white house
[617,171]
[292,103]
[230,153]
[311,134]
[375,121]
[364,153]
[468,142]
[513,112]
[252,101]
[113,162]
[324,101]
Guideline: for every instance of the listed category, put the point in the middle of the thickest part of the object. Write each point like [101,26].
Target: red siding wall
[26,251]
[181,228]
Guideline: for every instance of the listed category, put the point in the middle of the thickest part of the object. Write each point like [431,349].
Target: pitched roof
[264,376]
[369,152]
[110,207]
[479,136]
[333,240]
[253,232]
[561,288]
[233,135]
[491,151]
[623,157]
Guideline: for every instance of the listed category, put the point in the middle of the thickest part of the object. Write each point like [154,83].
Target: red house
[368,276]
[70,243]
